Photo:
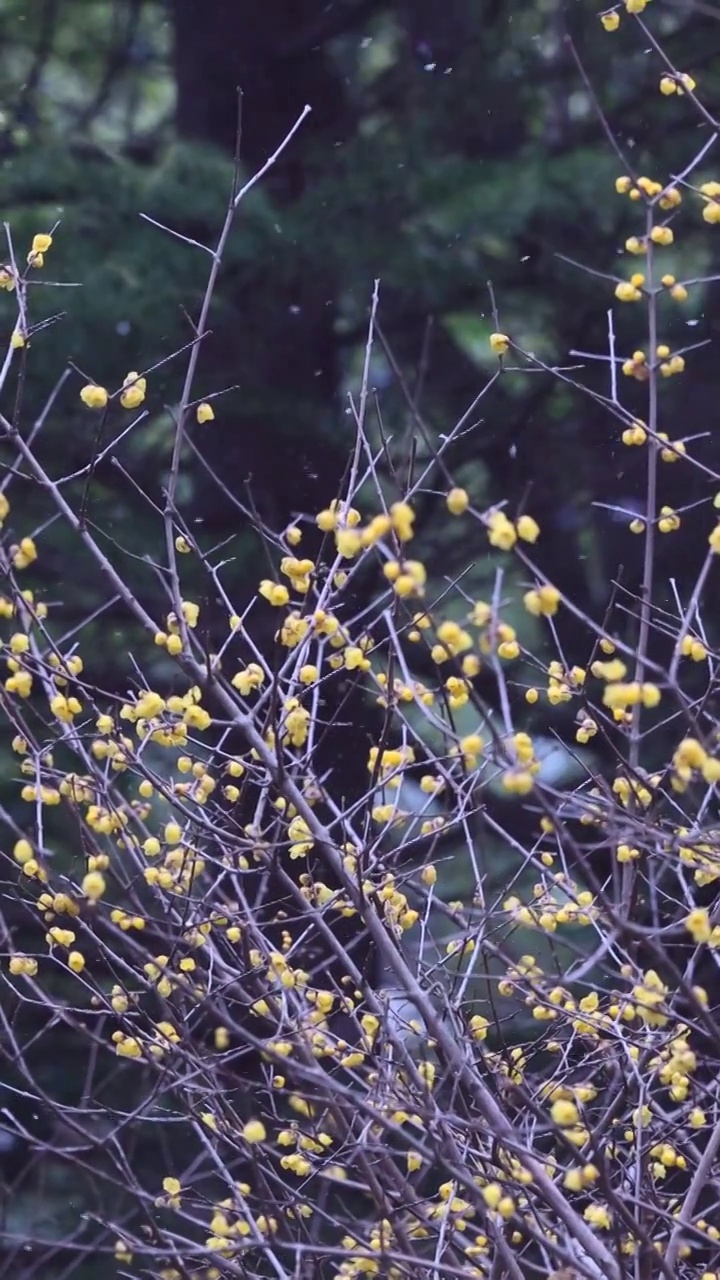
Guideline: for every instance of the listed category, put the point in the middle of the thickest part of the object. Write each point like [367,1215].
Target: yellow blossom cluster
[503,534]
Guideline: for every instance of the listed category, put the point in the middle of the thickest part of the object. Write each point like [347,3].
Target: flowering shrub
[320,1036]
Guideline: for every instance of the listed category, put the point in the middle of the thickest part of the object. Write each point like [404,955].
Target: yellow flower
[542,602]
[191,612]
[676,449]
[65,708]
[403,518]
[649,695]
[251,678]
[610,21]
[528,529]
[598,1214]
[254,1131]
[689,754]
[93,885]
[669,520]
[128,1047]
[41,243]
[499,343]
[627,292]
[205,412]
[274,592]
[24,554]
[698,924]
[457,501]
[635,434]
[693,648]
[22,852]
[134,390]
[221,1038]
[564,1113]
[501,532]
[492,1194]
[649,996]
[93,396]
[518,782]
[348,542]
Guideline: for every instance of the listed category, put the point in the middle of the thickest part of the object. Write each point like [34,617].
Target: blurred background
[450,145]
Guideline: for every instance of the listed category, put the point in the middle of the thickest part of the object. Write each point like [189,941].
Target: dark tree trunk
[268,52]
[283,353]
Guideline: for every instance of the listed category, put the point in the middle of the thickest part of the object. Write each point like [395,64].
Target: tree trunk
[284,356]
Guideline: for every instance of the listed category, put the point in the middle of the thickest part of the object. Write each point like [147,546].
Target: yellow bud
[254,1131]
[93,885]
[499,343]
[457,501]
[93,396]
